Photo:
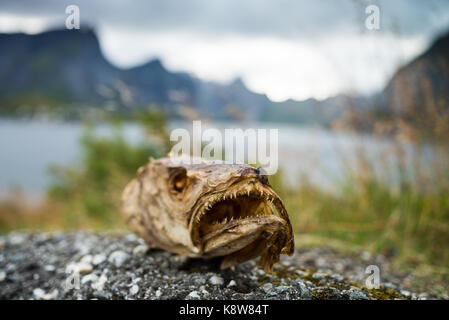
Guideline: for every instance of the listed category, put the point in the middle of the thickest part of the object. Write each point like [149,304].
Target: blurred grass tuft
[408,221]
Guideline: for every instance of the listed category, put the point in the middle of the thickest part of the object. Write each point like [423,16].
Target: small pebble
[405,293]
[102,295]
[49,268]
[89,278]
[79,267]
[141,249]
[366,256]
[304,291]
[38,293]
[86,259]
[337,277]
[390,285]
[134,289]
[99,284]
[17,239]
[320,262]
[356,294]
[193,295]
[98,259]
[42,295]
[423,296]
[232,283]
[282,288]
[260,272]
[131,237]
[199,280]
[301,273]
[319,275]
[136,280]
[267,287]
[216,280]
[2,275]
[272,292]
[118,257]
[205,292]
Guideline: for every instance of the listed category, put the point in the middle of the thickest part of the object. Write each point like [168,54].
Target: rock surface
[85,265]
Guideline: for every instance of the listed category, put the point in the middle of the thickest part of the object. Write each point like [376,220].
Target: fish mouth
[244,221]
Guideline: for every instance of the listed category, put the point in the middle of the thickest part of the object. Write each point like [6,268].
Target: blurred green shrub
[88,194]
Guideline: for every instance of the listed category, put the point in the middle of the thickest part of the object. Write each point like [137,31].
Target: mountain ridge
[67,67]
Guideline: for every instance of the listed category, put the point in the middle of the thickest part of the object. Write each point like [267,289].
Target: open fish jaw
[207,211]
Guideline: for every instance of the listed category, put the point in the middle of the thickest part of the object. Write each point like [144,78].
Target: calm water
[29,148]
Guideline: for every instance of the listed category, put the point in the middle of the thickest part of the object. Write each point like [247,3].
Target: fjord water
[316,155]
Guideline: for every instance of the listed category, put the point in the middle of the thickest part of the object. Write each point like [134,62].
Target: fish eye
[180,181]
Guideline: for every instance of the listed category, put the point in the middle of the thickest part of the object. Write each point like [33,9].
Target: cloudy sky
[284,48]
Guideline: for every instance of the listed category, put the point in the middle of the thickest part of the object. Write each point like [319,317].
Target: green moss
[384,293]
[327,284]
[285,273]
[264,279]
[309,277]
[323,294]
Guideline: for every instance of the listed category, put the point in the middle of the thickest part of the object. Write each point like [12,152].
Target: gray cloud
[279,18]
[285,48]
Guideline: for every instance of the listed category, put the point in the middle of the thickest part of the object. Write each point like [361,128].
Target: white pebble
[232,283]
[405,293]
[194,295]
[216,280]
[41,295]
[98,258]
[205,292]
[319,275]
[89,278]
[423,296]
[134,289]
[2,275]
[17,239]
[118,258]
[131,237]
[136,280]
[49,268]
[38,293]
[86,259]
[366,255]
[99,284]
[267,287]
[320,262]
[158,293]
[79,267]
[140,249]
[83,247]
